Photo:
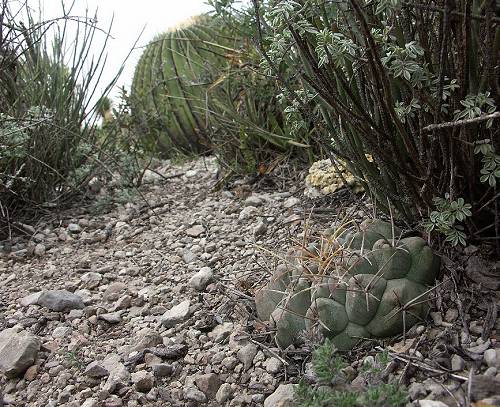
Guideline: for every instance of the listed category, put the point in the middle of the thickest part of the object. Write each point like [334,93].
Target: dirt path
[130,287]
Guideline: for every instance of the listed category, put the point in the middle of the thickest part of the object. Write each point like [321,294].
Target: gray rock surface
[18,351]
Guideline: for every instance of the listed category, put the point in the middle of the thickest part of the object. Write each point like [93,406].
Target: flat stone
[91,280]
[457,363]
[224,393]
[201,279]
[221,332]
[291,202]
[193,394]
[254,201]
[195,231]
[492,357]
[209,384]
[143,339]
[283,396]
[112,317]
[246,355]
[163,370]
[18,351]
[273,365]
[260,229]
[114,291]
[96,369]
[60,300]
[143,381]
[74,228]
[176,314]
[31,299]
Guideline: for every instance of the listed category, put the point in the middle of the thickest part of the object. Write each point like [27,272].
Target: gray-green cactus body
[380,291]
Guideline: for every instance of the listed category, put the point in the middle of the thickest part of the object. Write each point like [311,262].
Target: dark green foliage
[332,392]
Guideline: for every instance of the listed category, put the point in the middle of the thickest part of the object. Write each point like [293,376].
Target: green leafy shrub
[414,86]
[355,285]
[327,366]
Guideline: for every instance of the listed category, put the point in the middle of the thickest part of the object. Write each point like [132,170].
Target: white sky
[130,17]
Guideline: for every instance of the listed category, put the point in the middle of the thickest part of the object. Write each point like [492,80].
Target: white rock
[273,365]
[74,228]
[195,231]
[291,202]
[282,397]
[253,200]
[224,393]
[246,355]
[492,357]
[176,314]
[143,381]
[201,279]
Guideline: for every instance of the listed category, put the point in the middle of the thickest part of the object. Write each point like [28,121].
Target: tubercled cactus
[375,286]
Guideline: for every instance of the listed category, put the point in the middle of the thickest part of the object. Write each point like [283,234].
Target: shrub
[413,85]
[50,148]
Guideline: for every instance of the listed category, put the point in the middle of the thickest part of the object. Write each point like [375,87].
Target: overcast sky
[130,17]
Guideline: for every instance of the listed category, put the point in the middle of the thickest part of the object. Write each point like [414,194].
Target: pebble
[283,396]
[201,279]
[176,314]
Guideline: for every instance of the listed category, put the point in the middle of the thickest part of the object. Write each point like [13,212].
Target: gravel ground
[151,304]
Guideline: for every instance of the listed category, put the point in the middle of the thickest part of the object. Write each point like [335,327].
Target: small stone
[18,351]
[91,280]
[246,355]
[96,369]
[260,229]
[39,250]
[291,202]
[491,371]
[273,365]
[193,394]
[91,402]
[208,384]
[188,256]
[195,231]
[201,279]
[224,393]
[176,314]
[431,403]
[451,315]
[74,228]
[457,363]
[111,317]
[492,357]
[437,318]
[60,300]
[163,370]
[114,291]
[221,332]
[283,396]
[151,360]
[253,200]
[61,332]
[143,381]
[417,391]
[145,338]
[30,374]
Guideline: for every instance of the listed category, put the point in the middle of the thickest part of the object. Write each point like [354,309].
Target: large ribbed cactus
[375,289]
[170,84]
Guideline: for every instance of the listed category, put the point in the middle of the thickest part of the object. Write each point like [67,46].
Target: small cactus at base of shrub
[376,286]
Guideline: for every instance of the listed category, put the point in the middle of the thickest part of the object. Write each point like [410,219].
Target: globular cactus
[171,81]
[377,288]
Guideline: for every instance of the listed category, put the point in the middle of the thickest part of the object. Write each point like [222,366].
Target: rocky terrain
[151,304]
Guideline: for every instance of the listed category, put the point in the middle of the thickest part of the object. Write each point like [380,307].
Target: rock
[39,250]
[188,256]
[195,231]
[224,393]
[201,279]
[111,317]
[31,299]
[145,338]
[18,351]
[221,332]
[61,332]
[60,300]
[451,315]
[273,365]
[291,202]
[247,213]
[417,391]
[492,357]
[91,280]
[74,228]
[457,363]
[209,384]
[260,229]
[114,291]
[31,373]
[176,314]
[246,355]
[193,394]
[96,369]
[91,402]
[118,377]
[163,370]
[282,397]
[431,403]
[143,381]
[253,200]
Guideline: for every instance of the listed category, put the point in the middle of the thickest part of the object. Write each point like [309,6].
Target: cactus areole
[170,85]
[377,289]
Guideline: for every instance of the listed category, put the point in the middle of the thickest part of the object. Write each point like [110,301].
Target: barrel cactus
[376,287]
[170,83]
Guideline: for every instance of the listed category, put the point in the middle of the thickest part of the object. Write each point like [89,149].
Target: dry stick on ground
[464,122]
